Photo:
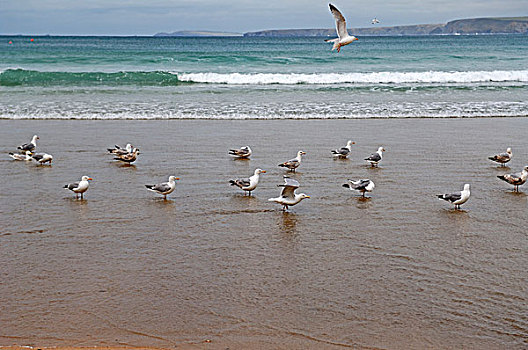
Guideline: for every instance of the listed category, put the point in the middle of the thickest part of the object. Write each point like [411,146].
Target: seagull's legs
[338,49]
[82,195]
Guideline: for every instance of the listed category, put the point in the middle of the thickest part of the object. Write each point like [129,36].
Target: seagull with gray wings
[457,198]
[164,188]
[250,183]
[516,179]
[343,38]
[288,197]
[361,186]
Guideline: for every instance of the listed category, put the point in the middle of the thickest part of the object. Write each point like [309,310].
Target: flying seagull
[375,158]
[164,188]
[242,152]
[343,38]
[288,197]
[294,163]
[502,158]
[250,183]
[29,146]
[516,179]
[361,186]
[458,198]
[79,187]
[375,21]
[343,151]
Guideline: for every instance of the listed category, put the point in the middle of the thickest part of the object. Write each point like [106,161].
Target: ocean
[262,78]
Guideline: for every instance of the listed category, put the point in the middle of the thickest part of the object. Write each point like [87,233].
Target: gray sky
[135,17]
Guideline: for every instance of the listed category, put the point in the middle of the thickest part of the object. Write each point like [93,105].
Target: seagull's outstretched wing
[289,187]
[340,22]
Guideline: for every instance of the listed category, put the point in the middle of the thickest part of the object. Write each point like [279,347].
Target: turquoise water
[269,78]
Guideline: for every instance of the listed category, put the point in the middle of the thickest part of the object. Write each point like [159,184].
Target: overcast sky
[147,17]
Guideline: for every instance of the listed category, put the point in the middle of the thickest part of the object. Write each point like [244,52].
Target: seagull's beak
[90,178]
[355,39]
[263,171]
[353,143]
[307,196]
[384,150]
[177,178]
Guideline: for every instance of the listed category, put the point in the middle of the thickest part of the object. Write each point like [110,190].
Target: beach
[400,270]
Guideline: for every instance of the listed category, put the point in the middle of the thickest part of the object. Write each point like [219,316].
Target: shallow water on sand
[400,270]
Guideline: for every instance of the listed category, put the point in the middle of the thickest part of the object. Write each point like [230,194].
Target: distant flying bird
[343,151]
[361,186]
[516,179]
[29,146]
[250,183]
[502,158]
[343,38]
[242,152]
[458,198]
[288,197]
[79,187]
[375,21]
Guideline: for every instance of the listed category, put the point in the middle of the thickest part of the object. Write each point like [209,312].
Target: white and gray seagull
[29,146]
[343,38]
[16,156]
[164,188]
[79,187]
[294,163]
[42,158]
[118,151]
[250,183]
[517,179]
[457,198]
[361,186]
[288,197]
[375,158]
[242,152]
[502,158]
[343,151]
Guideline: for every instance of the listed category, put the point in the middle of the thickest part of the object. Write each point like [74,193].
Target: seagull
[375,158]
[248,184]
[343,37]
[294,163]
[16,156]
[121,151]
[42,158]
[164,188]
[79,187]
[343,151]
[458,198]
[502,158]
[362,186]
[242,152]
[288,197]
[375,21]
[29,146]
[516,179]
[128,157]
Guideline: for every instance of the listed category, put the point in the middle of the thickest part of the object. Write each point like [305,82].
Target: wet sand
[401,270]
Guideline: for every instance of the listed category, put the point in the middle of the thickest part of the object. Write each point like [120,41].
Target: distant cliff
[493,25]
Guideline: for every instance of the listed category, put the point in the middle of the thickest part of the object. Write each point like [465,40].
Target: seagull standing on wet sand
[29,146]
[288,197]
[343,38]
[242,152]
[502,158]
[79,187]
[361,186]
[248,184]
[294,163]
[458,198]
[516,179]
[164,188]
[343,151]
[375,158]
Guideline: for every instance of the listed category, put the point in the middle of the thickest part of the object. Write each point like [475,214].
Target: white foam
[432,77]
